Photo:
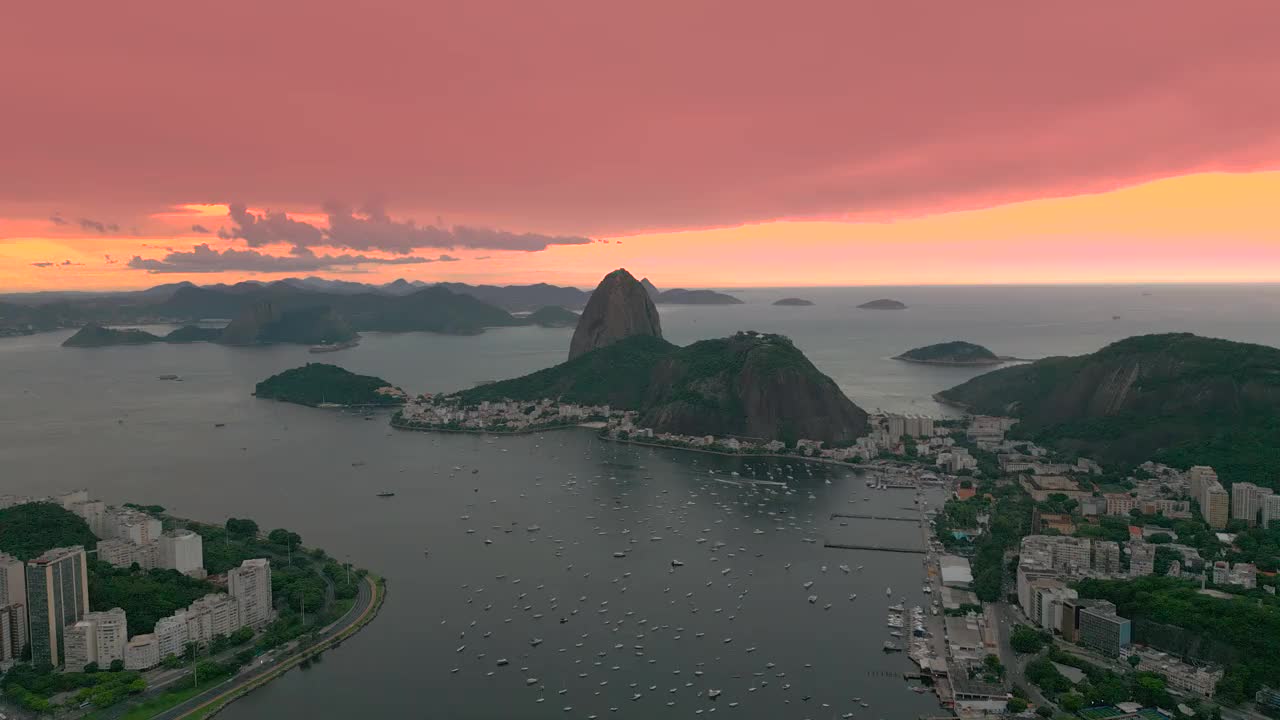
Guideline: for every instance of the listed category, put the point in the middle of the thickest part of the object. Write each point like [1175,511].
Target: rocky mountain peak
[619,308]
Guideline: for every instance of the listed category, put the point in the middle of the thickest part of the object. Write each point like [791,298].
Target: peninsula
[956,352]
[323,385]
[883,304]
[147,655]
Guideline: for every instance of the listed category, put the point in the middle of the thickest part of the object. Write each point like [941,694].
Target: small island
[793,302]
[323,385]
[553,316]
[883,304]
[94,335]
[956,352]
[681,296]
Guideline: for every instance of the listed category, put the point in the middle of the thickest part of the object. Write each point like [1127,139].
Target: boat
[677,563]
[888,592]
[386,493]
[168,377]
[891,647]
[333,347]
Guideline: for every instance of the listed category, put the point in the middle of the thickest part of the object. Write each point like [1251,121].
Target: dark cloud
[101,227]
[371,228]
[47,264]
[204,259]
[109,260]
[66,263]
[198,228]
[57,219]
[42,264]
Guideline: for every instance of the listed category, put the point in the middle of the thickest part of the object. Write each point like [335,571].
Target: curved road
[262,672]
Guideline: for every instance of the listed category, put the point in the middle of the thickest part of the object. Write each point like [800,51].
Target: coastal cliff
[619,308]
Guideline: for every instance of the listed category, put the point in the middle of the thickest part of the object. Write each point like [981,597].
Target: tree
[287,538]
[1071,702]
[1017,705]
[91,668]
[1134,661]
[117,665]
[241,527]
[966,484]
[1024,639]
[1044,711]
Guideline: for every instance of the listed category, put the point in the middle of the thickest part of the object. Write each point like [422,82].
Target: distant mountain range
[396,306]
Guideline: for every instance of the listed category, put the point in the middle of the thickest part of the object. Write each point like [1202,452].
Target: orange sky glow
[1205,227]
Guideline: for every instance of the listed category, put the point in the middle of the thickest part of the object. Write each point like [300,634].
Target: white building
[250,585]
[182,550]
[1142,558]
[212,615]
[98,637]
[142,652]
[1270,510]
[171,634]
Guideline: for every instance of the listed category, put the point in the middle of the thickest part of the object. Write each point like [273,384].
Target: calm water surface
[100,419]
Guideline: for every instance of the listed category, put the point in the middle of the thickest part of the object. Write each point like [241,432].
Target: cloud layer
[370,228]
[619,117]
[205,259]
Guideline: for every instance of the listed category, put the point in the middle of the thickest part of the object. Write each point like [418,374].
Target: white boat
[888,592]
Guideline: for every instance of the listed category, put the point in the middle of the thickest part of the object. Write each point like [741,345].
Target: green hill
[1177,398]
[319,383]
[93,335]
[28,530]
[617,374]
[956,352]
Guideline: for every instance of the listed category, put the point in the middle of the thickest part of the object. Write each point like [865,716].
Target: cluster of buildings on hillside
[44,602]
[1248,502]
[428,413]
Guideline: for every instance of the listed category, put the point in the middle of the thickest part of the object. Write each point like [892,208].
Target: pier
[895,518]
[881,548]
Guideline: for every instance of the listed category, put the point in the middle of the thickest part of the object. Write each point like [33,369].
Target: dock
[881,548]
[895,518]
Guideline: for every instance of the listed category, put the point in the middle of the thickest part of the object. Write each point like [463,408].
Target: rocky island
[94,335]
[883,304]
[681,296]
[323,385]
[956,352]
[1178,398]
[793,302]
[552,316]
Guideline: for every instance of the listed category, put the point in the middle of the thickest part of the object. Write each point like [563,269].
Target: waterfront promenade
[368,600]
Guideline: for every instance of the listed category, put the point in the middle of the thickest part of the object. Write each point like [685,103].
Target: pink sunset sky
[698,143]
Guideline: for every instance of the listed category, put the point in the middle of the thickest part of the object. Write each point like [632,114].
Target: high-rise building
[212,615]
[250,585]
[1215,506]
[1103,630]
[1271,510]
[182,550]
[13,580]
[1200,478]
[57,596]
[1245,502]
[171,635]
[98,638]
[13,633]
